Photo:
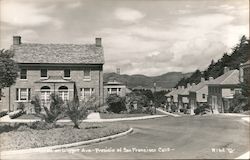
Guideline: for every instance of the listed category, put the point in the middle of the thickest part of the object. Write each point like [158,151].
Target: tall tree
[8,69]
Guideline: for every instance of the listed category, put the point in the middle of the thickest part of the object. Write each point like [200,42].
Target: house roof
[58,53]
[230,77]
[199,86]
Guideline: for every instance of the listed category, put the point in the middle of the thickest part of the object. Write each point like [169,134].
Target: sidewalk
[93,117]
[167,113]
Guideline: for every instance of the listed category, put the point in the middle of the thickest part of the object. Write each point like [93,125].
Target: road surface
[202,137]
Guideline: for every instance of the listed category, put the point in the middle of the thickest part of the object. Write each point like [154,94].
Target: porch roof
[54,79]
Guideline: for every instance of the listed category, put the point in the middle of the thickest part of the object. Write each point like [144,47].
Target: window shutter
[29,93]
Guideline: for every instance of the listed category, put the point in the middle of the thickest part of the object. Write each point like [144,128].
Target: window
[45,96]
[23,74]
[203,96]
[23,94]
[67,73]
[86,93]
[86,74]
[44,73]
[64,93]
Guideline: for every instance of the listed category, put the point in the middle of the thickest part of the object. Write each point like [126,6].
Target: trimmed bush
[15,114]
[116,104]
[202,109]
[3,113]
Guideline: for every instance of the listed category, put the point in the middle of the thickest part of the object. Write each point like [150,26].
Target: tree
[8,69]
[160,98]
[53,113]
[77,111]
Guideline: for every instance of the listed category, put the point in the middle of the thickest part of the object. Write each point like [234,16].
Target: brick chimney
[226,69]
[16,40]
[98,42]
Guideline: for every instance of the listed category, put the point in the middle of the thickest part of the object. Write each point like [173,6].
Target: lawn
[23,137]
[115,115]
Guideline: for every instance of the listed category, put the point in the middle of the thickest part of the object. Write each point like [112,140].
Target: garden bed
[28,116]
[115,115]
[23,137]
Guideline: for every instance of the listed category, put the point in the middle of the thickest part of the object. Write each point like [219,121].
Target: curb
[51,148]
[170,114]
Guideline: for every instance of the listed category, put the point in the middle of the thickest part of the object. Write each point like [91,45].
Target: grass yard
[23,137]
[115,115]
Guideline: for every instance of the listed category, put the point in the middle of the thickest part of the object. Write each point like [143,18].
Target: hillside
[239,54]
[165,81]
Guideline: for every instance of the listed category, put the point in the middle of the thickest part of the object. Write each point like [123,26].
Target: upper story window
[23,74]
[67,73]
[44,73]
[203,96]
[86,74]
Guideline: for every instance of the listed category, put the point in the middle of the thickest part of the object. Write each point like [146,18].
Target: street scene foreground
[189,137]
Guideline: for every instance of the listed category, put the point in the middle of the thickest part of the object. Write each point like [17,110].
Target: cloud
[25,14]
[128,14]
[73,5]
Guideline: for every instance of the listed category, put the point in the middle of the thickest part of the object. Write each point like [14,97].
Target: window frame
[41,77]
[69,74]
[18,95]
[82,91]
[21,74]
[87,78]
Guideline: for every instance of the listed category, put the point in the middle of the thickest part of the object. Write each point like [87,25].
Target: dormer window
[44,73]
[23,74]
[67,73]
[86,74]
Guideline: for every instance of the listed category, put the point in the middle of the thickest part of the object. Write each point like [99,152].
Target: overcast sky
[148,37]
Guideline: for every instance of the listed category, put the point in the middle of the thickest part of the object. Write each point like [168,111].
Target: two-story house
[55,68]
[222,89]
[198,94]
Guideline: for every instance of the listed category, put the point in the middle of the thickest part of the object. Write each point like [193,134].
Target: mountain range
[164,81]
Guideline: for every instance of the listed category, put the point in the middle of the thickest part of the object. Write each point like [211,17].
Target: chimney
[211,78]
[16,40]
[202,79]
[188,85]
[226,69]
[98,42]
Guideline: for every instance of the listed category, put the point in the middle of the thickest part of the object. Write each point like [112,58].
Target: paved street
[168,138]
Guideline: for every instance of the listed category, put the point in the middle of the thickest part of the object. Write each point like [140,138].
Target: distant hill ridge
[164,81]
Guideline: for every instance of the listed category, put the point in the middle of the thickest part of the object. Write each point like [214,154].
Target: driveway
[166,138]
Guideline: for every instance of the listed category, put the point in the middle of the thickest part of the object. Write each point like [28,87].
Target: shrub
[202,109]
[116,104]
[3,113]
[21,106]
[41,125]
[239,104]
[37,104]
[77,111]
[52,113]
[173,107]
[15,114]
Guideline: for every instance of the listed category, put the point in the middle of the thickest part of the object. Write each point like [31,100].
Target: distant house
[245,77]
[55,68]
[183,97]
[198,94]
[222,89]
[114,87]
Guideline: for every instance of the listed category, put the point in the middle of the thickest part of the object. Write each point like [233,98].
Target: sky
[149,37]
